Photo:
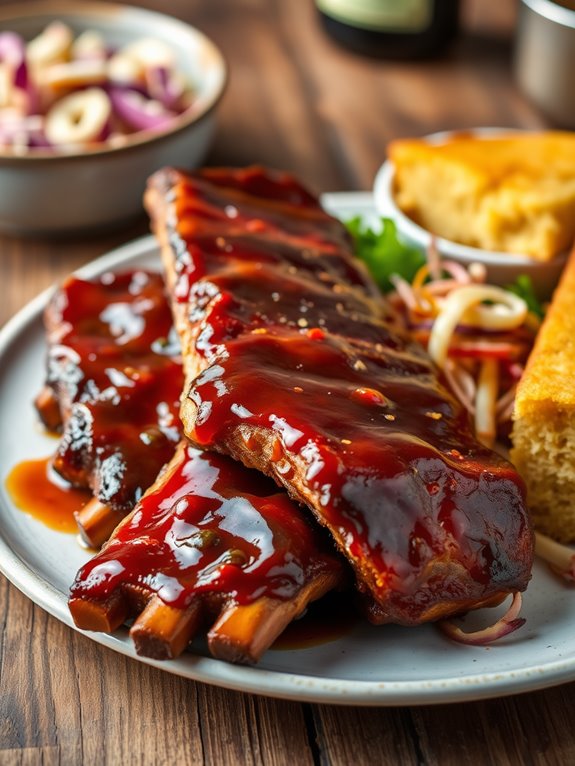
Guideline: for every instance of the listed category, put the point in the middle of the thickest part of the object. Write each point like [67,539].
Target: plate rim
[257,680]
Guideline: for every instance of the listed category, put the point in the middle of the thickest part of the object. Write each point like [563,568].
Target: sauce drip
[295,350]
[210,527]
[36,488]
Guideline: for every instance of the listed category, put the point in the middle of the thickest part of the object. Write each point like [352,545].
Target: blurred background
[299,100]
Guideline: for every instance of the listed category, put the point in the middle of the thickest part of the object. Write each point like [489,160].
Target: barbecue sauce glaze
[296,345]
[210,528]
[116,372]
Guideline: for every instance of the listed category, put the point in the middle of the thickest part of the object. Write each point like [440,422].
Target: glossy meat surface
[209,529]
[295,368]
[117,377]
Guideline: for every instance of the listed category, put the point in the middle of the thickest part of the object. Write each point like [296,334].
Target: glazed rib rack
[294,367]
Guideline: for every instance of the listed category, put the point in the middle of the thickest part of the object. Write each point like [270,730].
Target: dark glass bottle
[398,29]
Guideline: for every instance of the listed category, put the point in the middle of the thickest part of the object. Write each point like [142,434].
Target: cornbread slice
[514,193]
[543,434]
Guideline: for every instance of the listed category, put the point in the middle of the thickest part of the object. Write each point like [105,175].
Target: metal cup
[545,57]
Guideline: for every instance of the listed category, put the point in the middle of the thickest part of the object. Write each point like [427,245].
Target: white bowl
[43,192]
[502,268]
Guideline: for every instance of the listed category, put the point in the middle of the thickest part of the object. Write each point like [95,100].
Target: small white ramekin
[502,268]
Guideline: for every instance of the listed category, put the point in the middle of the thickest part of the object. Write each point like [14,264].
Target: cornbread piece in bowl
[505,199]
[514,193]
[544,419]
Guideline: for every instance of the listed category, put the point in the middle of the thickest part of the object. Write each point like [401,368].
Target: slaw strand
[560,557]
[433,258]
[477,272]
[506,414]
[507,624]
[461,384]
[506,405]
[405,291]
[457,271]
[458,275]
[420,276]
[508,312]
[485,401]
[506,399]
[427,301]
[442,287]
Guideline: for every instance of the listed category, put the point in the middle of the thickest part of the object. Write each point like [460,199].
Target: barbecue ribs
[294,367]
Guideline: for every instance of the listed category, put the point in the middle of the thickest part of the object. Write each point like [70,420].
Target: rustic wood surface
[295,101]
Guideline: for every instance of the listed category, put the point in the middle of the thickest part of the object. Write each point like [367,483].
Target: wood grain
[28,266]
[100,707]
[299,102]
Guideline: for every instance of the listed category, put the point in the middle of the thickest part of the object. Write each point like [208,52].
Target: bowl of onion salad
[94,97]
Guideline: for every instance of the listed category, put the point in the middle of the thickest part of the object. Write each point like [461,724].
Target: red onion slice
[164,86]
[22,131]
[12,48]
[507,624]
[138,112]
[13,53]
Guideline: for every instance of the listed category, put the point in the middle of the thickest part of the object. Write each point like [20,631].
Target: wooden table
[295,101]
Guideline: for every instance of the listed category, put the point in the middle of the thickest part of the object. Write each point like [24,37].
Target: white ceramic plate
[386,665]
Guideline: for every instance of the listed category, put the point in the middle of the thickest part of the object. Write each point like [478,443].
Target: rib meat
[209,541]
[113,384]
[294,367]
[209,538]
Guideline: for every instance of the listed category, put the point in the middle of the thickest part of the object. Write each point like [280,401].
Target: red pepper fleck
[256,225]
[369,396]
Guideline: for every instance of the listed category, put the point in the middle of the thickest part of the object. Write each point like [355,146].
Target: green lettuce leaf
[523,287]
[383,252]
